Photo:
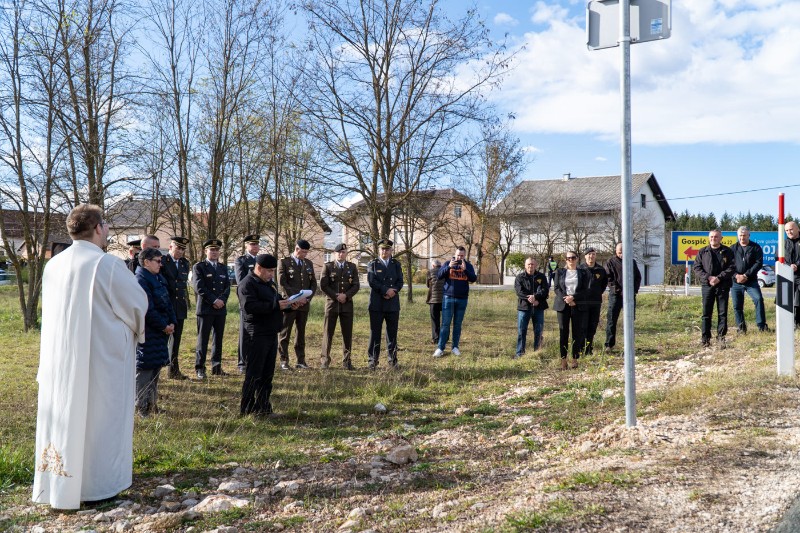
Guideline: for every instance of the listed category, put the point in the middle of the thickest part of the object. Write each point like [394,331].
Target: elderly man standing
[339,282]
[175,270]
[213,287]
[434,299]
[749,258]
[93,315]
[532,291]
[243,266]
[715,267]
[791,247]
[296,273]
[148,241]
[615,299]
[385,278]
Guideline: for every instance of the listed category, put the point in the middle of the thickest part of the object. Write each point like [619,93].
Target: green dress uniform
[338,277]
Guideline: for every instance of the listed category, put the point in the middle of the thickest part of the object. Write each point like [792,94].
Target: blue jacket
[153,352]
[457,280]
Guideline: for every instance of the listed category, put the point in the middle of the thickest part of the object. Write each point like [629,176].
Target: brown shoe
[574,363]
[564,364]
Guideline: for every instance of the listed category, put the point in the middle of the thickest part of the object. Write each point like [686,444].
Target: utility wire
[733,192]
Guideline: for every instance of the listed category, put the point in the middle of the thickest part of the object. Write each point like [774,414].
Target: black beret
[340,247]
[212,243]
[303,244]
[255,239]
[181,242]
[385,243]
[266,261]
[135,242]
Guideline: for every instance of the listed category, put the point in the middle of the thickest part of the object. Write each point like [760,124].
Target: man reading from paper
[92,317]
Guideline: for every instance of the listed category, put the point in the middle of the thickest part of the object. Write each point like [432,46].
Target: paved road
[768,292]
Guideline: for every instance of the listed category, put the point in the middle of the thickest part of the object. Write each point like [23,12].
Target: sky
[715,112]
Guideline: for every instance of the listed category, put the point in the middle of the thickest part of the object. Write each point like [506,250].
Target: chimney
[566,176]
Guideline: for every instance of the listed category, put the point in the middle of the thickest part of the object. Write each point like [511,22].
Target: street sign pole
[784,304]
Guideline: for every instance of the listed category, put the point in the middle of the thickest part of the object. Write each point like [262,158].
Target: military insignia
[350,280]
[597,276]
[378,271]
[209,275]
[538,282]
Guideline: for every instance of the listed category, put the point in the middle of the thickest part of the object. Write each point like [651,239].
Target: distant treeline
[686,221]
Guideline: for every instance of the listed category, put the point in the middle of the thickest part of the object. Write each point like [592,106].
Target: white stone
[233,486]
[350,524]
[402,455]
[122,526]
[219,502]
[380,408]
[163,491]
[358,512]
[288,487]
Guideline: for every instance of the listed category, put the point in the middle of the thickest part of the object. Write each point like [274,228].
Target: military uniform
[242,267]
[382,277]
[176,274]
[295,275]
[211,283]
[338,277]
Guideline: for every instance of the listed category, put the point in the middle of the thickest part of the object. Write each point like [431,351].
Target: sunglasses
[572,258]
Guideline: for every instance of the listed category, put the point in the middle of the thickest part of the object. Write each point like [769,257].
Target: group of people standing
[578,296]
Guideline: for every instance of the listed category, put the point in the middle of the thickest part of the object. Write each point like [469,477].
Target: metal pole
[627,235]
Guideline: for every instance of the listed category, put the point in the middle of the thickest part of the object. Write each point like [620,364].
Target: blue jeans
[453,309]
[754,292]
[535,315]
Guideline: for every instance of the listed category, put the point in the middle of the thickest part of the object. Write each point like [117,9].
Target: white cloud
[504,19]
[600,158]
[531,149]
[728,74]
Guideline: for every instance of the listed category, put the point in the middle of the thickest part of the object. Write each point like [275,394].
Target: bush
[421,276]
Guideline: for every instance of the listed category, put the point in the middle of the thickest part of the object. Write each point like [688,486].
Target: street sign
[651,20]
[686,244]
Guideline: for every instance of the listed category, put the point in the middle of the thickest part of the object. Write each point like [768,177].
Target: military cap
[385,243]
[303,244]
[340,247]
[180,242]
[212,243]
[589,250]
[266,261]
[135,242]
[254,239]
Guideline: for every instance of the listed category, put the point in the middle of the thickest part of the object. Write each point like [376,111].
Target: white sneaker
[456,351]
[438,353]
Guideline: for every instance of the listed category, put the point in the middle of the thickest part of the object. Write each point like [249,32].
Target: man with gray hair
[748,258]
[434,299]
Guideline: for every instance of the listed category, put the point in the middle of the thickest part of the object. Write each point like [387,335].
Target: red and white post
[784,303]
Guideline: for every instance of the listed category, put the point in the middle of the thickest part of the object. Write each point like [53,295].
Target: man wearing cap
[242,267]
[148,241]
[212,285]
[175,270]
[261,312]
[339,282]
[296,273]
[385,277]
[134,247]
[598,281]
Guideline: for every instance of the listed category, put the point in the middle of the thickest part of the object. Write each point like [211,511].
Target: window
[328,257]
[457,210]
[644,201]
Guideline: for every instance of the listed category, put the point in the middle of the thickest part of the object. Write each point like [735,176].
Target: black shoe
[741,330]
[302,366]
[201,374]
[217,371]
[176,375]
[722,343]
[285,366]
[347,365]
[764,329]
[373,365]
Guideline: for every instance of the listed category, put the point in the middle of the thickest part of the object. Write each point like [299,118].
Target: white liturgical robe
[92,317]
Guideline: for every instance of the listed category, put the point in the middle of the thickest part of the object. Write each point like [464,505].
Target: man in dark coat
[243,266]
[748,259]
[715,267]
[148,241]
[175,270]
[532,290]
[339,282]
[614,271]
[296,273]
[134,247]
[385,278]
[213,286]
[262,309]
[598,281]
[434,299]
[791,248]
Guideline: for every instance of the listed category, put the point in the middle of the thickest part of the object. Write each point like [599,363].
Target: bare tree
[381,76]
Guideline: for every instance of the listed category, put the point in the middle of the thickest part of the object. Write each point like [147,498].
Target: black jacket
[718,263]
[210,284]
[381,279]
[243,266]
[176,274]
[614,271]
[748,260]
[598,281]
[536,285]
[261,312]
[560,289]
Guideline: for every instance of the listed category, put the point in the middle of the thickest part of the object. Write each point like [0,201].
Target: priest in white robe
[92,317]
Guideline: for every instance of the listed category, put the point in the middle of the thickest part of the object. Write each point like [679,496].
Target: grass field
[201,430]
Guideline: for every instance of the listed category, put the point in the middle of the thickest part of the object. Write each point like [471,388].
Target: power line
[733,192]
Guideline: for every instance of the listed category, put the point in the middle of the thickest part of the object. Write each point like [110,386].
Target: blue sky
[715,108]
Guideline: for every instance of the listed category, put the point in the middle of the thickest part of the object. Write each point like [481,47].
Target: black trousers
[260,353]
[436,321]
[571,316]
[376,320]
[209,326]
[291,318]
[612,316]
[592,320]
[329,328]
[242,358]
[711,296]
[175,349]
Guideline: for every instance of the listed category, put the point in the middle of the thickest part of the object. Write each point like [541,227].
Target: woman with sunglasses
[571,286]
[159,322]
